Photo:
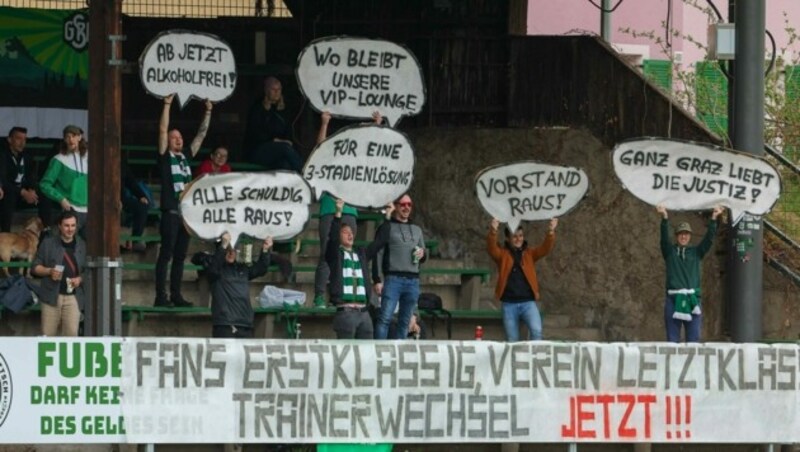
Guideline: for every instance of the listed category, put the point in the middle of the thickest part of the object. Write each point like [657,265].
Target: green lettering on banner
[102,425]
[80,359]
[54,395]
[57,425]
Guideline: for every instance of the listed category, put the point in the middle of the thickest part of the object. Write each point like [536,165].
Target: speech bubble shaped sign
[188,64]
[274,204]
[353,77]
[368,166]
[529,191]
[688,176]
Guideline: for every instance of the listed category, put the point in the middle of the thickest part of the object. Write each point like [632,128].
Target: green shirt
[683,263]
[327,206]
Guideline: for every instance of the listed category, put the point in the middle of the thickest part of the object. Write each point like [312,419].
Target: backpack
[431,304]
[15,293]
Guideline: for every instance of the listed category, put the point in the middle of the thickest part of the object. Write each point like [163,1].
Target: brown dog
[21,245]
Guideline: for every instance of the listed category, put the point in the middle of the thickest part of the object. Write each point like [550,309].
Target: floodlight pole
[745,251]
[605,21]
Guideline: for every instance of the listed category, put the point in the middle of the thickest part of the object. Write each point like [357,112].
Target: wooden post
[103,315]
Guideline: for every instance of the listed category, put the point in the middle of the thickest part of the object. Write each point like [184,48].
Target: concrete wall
[606,270]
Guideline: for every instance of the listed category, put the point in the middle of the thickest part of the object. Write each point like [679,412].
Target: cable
[714,7]
[774,50]
[668,26]
[619,2]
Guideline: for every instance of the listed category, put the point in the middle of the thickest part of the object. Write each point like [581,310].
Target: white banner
[368,166]
[189,64]
[691,176]
[272,203]
[353,77]
[307,391]
[189,390]
[60,390]
[530,191]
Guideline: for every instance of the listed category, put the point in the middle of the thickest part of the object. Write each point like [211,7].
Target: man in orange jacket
[517,287]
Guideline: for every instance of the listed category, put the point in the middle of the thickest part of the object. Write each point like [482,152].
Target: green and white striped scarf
[181,173]
[353,290]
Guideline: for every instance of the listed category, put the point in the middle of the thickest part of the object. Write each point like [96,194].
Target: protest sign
[690,176]
[368,166]
[310,391]
[529,191]
[197,390]
[188,64]
[353,77]
[273,204]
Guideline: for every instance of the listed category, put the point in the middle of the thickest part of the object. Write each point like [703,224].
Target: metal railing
[784,221]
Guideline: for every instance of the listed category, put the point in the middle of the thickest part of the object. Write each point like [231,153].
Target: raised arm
[711,232]
[261,266]
[163,125]
[325,118]
[202,130]
[666,245]
[494,250]
[548,243]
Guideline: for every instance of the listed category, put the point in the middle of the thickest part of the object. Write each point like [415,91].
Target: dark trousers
[353,324]
[137,213]
[276,155]
[231,331]
[174,243]
[13,201]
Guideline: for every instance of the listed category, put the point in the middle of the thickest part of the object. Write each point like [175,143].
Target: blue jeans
[528,312]
[673,326]
[397,289]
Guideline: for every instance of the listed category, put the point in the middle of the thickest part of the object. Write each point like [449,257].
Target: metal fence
[173,8]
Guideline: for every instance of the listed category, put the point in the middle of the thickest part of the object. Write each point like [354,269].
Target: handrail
[786,271]
[781,235]
[782,158]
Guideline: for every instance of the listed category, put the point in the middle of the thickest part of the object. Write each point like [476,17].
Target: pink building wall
[549,17]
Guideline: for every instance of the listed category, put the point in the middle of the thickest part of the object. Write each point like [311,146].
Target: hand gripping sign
[353,77]
[689,176]
[368,166]
[189,64]
[259,205]
[529,191]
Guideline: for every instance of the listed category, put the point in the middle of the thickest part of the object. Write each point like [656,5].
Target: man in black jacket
[346,284]
[18,183]
[231,311]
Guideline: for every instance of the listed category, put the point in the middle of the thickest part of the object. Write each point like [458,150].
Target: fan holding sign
[682,303]
[516,192]
[679,175]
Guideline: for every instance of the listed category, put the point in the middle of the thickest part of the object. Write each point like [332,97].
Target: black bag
[429,301]
[431,304]
[15,294]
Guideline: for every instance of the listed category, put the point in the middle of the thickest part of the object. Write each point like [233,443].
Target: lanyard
[75,160]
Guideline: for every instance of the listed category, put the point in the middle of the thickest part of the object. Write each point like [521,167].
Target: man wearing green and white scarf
[346,284]
[682,307]
[173,166]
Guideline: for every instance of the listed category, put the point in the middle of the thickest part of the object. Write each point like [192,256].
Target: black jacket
[8,170]
[334,256]
[230,288]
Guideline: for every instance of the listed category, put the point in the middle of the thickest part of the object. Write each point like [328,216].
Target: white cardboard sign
[274,204]
[689,176]
[368,166]
[188,64]
[529,191]
[353,77]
